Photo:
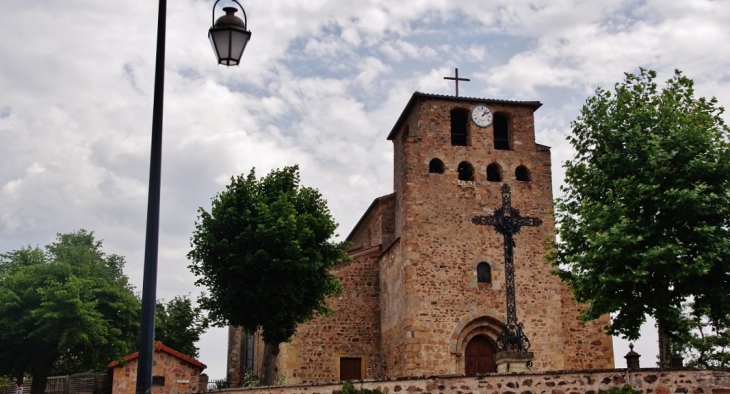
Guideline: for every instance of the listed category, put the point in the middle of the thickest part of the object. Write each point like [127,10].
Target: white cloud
[399,50]
[370,69]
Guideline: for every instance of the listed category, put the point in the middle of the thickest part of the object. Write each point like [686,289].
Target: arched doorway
[478,356]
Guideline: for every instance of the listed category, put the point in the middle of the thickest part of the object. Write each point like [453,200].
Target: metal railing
[222,384]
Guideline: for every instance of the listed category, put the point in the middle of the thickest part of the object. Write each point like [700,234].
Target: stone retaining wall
[649,381]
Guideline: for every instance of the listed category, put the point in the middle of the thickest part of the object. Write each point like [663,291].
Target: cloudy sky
[321,84]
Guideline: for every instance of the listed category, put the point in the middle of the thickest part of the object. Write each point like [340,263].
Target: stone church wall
[393,308]
[234,366]
[353,330]
[587,353]
[377,226]
[402,150]
[649,381]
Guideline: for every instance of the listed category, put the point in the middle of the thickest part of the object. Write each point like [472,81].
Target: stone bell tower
[453,158]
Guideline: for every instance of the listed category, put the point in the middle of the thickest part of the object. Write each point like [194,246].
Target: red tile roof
[162,348]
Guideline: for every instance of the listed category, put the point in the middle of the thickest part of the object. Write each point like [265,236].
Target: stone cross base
[513,361]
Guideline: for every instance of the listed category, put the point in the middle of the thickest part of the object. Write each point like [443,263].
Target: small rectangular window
[158,380]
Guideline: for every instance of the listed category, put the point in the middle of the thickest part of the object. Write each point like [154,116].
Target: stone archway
[479,335]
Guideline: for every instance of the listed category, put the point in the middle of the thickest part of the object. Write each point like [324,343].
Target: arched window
[501,132]
[484,273]
[249,350]
[466,171]
[459,130]
[522,174]
[436,166]
[494,173]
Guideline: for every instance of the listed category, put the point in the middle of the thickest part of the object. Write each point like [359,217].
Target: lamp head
[229,36]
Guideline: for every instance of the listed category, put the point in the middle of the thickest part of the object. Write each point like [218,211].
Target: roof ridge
[159,346]
[420,95]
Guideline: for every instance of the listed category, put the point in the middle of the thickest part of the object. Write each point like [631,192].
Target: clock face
[481,115]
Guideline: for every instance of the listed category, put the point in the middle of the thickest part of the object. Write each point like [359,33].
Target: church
[450,265]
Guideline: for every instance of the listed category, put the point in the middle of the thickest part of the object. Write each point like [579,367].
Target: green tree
[707,345]
[264,252]
[643,223]
[65,309]
[179,324]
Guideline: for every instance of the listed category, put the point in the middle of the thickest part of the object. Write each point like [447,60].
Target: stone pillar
[513,361]
[632,358]
[236,341]
[203,383]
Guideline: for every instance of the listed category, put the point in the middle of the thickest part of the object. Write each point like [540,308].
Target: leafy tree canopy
[64,309]
[179,324]
[643,223]
[264,253]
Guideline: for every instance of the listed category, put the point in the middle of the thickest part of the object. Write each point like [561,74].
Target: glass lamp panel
[239,39]
[221,43]
[212,44]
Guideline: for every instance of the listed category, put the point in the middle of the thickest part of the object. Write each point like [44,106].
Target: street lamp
[229,36]
[229,54]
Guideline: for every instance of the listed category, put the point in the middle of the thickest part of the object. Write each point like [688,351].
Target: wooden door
[479,352]
[350,368]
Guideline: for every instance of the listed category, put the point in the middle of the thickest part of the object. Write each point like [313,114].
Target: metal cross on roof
[508,222]
[456,79]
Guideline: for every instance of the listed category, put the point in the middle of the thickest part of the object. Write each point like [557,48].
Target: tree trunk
[38,385]
[665,348]
[269,369]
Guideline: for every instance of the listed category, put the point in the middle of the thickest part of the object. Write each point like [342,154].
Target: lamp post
[229,37]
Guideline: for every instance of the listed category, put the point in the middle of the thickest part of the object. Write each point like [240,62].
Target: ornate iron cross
[508,222]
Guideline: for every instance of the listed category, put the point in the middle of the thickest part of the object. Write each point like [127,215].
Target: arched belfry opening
[522,174]
[459,127]
[494,173]
[501,132]
[436,166]
[466,171]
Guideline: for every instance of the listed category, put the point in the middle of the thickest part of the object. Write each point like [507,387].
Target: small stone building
[425,293]
[172,372]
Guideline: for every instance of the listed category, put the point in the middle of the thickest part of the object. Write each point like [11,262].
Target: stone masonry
[172,371]
[412,302]
[649,381]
